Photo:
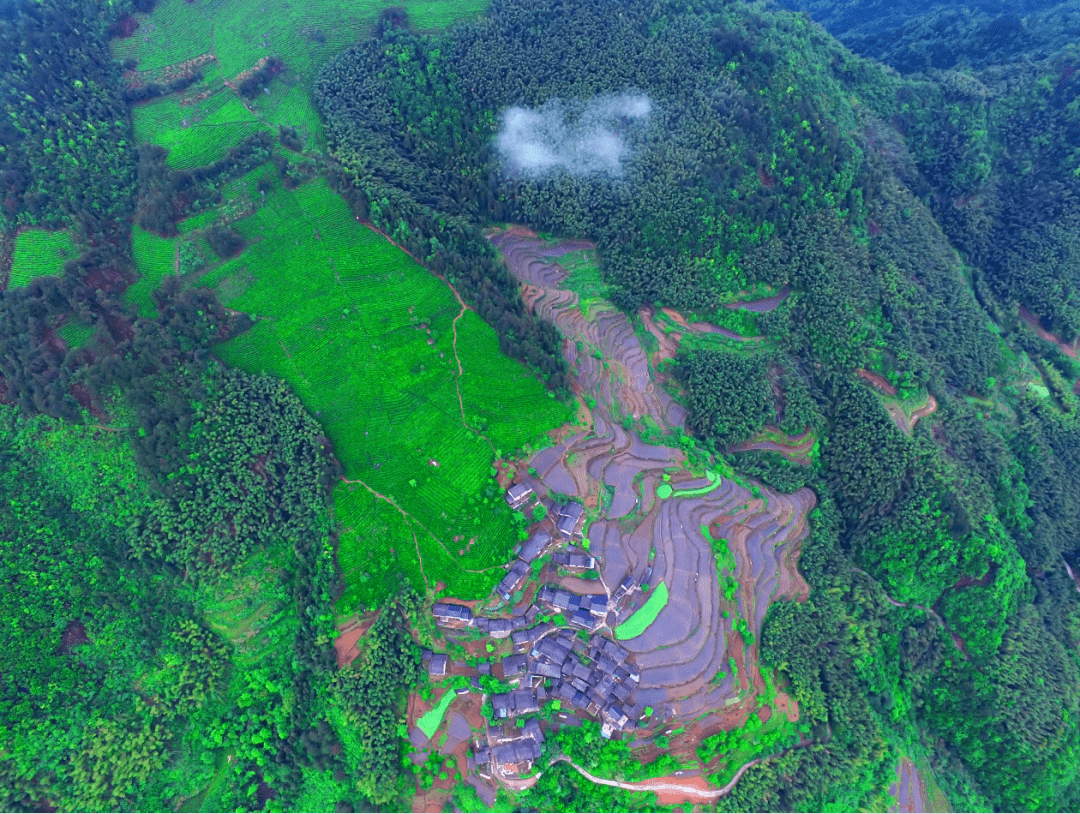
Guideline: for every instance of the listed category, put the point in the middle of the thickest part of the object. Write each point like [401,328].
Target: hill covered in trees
[918,221]
[167,533]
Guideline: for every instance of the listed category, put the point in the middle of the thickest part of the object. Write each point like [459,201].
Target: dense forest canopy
[167,533]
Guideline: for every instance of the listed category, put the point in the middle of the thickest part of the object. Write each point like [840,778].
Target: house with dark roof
[583,620]
[515,703]
[625,587]
[614,716]
[646,577]
[518,623]
[546,595]
[500,628]
[534,546]
[516,757]
[570,518]
[439,663]
[519,494]
[523,639]
[533,730]
[451,614]
[482,755]
[513,580]
[573,560]
[513,666]
[547,670]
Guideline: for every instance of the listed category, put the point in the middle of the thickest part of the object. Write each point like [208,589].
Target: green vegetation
[429,722]
[331,297]
[39,253]
[645,615]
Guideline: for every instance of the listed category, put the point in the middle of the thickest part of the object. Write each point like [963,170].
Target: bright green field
[645,615]
[429,721]
[155,258]
[238,33]
[364,335]
[39,253]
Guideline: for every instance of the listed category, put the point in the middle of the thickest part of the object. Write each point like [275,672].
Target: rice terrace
[511,405]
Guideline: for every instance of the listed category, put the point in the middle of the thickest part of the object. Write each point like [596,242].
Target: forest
[168,536]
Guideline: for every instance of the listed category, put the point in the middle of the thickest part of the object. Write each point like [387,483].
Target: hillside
[783,301]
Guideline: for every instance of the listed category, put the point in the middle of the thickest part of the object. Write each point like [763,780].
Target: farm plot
[238,33]
[155,258]
[365,337]
[40,253]
[197,127]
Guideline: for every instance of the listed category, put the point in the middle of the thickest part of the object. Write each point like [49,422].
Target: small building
[500,628]
[524,639]
[519,494]
[546,595]
[484,668]
[534,730]
[570,519]
[516,757]
[451,614]
[615,717]
[534,546]
[462,690]
[574,560]
[518,623]
[646,577]
[513,666]
[543,668]
[482,755]
[438,664]
[513,580]
[583,620]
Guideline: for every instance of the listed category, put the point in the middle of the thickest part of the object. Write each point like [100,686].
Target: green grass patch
[155,258]
[645,615]
[364,335]
[714,481]
[305,36]
[430,722]
[663,491]
[40,253]
[585,277]
[75,334]
[250,607]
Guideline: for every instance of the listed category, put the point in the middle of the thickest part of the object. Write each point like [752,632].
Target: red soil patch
[787,705]
[1069,350]
[345,645]
[877,380]
[74,635]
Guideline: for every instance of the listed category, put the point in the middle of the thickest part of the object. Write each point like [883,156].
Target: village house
[573,560]
[448,614]
[524,639]
[534,546]
[519,494]
[438,664]
[513,666]
[570,519]
[513,580]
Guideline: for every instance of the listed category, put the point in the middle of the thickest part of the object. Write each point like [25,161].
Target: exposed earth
[686,656]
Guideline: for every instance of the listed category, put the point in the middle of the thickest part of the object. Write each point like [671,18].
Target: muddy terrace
[693,661]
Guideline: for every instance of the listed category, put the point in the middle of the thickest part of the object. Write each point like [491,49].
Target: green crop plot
[645,615]
[155,258]
[430,721]
[238,34]
[75,334]
[364,335]
[39,253]
[198,126]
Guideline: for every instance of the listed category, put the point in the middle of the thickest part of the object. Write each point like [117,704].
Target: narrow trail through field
[409,521]
[457,357]
[404,516]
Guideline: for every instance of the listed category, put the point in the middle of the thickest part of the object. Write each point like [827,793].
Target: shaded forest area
[912,217]
[915,36]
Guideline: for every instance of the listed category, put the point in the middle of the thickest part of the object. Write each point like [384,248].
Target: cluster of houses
[591,674]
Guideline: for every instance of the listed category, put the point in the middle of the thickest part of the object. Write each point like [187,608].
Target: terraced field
[708,535]
[410,386]
[39,253]
[225,40]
